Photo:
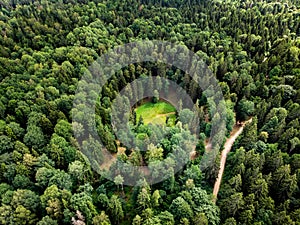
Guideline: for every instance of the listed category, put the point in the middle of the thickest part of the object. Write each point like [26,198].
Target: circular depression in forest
[155,99]
[85,120]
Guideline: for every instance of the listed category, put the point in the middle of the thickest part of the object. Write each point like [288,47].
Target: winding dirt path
[237,130]
[166,114]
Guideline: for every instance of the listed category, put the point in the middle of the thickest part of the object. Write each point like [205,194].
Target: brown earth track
[237,130]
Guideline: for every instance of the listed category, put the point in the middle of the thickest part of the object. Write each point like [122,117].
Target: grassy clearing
[156,113]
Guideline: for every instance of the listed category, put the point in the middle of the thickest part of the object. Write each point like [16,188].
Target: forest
[48,175]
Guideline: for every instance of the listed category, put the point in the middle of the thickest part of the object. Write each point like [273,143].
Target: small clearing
[156,113]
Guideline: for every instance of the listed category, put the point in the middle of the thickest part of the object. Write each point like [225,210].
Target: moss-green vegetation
[156,113]
[252,48]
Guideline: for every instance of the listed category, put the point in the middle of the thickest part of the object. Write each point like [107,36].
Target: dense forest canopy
[251,47]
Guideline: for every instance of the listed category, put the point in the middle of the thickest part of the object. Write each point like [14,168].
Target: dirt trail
[238,129]
[166,114]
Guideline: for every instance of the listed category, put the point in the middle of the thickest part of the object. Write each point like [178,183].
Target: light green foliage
[63,129]
[101,219]
[23,216]
[155,113]
[77,171]
[155,198]
[26,198]
[47,221]
[119,180]
[115,209]
[144,199]
[166,218]
[154,153]
[137,220]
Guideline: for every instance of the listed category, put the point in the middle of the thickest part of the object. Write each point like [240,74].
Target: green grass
[156,113]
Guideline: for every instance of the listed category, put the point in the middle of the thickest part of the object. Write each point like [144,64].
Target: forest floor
[236,131]
[163,115]
[156,113]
